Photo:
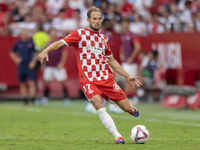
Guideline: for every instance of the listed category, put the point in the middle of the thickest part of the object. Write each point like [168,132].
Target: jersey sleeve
[108,52]
[33,48]
[135,39]
[72,39]
[15,49]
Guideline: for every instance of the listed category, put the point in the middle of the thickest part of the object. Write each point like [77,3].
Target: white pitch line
[13,138]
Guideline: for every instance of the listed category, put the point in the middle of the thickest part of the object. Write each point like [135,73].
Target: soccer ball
[139,134]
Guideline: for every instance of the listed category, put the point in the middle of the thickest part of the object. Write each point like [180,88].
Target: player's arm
[54,46]
[121,53]
[117,67]
[137,48]
[33,62]
[13,55]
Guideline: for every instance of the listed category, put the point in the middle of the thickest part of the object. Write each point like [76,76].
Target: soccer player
[94,59]
[55,69]
[26,60]
[128,52]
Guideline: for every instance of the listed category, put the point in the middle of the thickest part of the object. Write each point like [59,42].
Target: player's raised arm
[54,46]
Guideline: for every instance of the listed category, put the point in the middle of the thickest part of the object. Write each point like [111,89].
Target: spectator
[137,26]
[74,23]
[104,6]
[113,14]
[53,6]
[174,13]
[28,24]
[154,7]
[26,61]
[126,8]
[155,26]
[187,16]
[4,26]
[141,6]
[169,21]
[128,55]
[69,12]
[58,23]
[197,21]
[55,69]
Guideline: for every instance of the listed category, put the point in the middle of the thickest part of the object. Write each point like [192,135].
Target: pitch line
[13,138]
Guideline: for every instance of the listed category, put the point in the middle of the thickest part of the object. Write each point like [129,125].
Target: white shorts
[131,69]
[52,72]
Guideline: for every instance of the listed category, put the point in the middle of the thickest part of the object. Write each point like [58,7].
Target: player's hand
[42,57]
[129,60]
[134,81]
[60,66]
[18,60]
[31,65]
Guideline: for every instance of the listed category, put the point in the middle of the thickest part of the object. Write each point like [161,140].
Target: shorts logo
[90,91]
[116,87]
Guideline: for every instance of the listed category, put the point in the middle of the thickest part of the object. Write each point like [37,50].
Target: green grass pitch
[59,127]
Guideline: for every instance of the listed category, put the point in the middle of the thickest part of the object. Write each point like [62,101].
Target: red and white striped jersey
[92,50]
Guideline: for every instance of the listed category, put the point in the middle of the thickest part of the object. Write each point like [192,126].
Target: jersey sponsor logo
[95,49]
[116,87]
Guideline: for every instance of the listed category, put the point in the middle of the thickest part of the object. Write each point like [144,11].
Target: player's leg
[115,93]
[32,84]
[23,91]
[106,119]
[127,107]
[93,94]
[61,76]
[32,90]
[47,77]
[22,86]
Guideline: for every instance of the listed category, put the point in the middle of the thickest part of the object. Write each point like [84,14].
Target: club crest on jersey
[29,45]
[116,87]
[103,41]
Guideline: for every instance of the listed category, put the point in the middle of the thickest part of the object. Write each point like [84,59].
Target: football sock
[108,122]
[32,100]
[25,100]
[65,91]
[46,92]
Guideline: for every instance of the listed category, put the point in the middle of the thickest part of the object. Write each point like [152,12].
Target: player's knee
[97,102]
[31,83]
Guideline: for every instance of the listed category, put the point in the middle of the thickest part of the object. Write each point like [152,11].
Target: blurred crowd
[146,16]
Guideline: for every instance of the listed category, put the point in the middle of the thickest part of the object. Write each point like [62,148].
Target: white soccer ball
[139,134]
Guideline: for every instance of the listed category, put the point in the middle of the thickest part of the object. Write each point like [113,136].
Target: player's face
[24,35]
[53,34]
[125,26]
[95,20]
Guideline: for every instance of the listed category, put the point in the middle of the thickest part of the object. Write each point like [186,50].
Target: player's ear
[88,20]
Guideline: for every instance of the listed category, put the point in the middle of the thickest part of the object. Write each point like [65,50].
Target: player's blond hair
[93,8]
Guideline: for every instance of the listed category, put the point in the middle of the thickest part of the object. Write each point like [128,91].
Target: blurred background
[169,27]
